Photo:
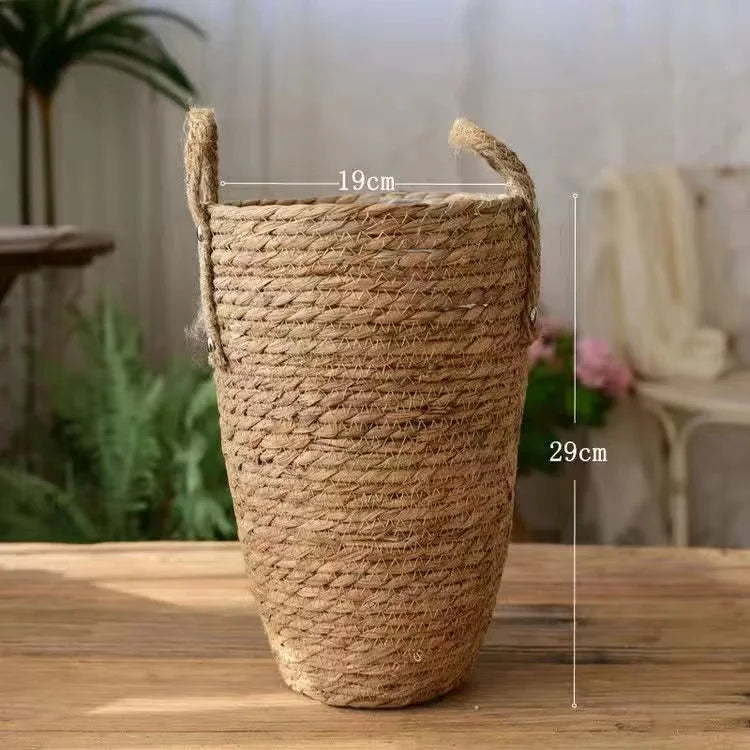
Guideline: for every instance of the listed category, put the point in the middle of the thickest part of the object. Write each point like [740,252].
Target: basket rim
[397,199]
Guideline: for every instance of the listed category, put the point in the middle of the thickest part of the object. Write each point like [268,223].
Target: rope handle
[202,187]
[201,161]
[466,135]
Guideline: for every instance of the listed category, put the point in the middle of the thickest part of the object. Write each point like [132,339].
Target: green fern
[128,454]
[35,509]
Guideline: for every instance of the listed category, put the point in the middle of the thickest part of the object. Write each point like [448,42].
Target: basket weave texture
[370,359]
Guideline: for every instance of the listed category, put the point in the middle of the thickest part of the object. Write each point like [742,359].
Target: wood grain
[159,646]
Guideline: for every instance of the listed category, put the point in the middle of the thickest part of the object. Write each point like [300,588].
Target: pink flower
[550,328]
[540,351]
[597,368]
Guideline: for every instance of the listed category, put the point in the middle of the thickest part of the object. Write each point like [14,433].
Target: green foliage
[127,453]
[549,408]
[42,39]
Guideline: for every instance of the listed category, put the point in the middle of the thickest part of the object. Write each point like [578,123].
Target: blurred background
[640,107]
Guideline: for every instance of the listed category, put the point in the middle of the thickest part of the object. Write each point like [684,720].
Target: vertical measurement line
[575,307]
[573,703]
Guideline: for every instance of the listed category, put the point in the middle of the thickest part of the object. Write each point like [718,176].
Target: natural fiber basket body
[370,359]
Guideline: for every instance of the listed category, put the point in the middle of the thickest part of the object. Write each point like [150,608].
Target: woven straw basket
[370,359]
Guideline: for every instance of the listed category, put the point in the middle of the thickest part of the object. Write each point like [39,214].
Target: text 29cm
[569,452]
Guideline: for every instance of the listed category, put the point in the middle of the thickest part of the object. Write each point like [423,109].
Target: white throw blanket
[641,293]
[642,287]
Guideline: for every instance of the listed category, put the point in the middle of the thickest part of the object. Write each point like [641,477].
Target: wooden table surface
[28,248]
[159,646]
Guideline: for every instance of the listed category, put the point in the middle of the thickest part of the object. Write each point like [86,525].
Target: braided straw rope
[370,360]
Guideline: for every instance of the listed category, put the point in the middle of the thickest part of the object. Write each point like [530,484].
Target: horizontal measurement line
[454,184]
[223,183]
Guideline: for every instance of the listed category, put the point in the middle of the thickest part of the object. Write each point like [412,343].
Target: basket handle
[202,187]
[201,161]
[466,135]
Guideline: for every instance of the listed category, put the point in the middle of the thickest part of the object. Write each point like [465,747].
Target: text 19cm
[358,180]
[569,452]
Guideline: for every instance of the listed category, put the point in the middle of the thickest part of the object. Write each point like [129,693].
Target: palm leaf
[11,33]
[159,66]
[113,22]
[77,11]
[47,37]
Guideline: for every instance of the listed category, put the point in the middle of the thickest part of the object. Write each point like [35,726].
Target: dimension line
[575,307]
[451,184]
[227,183]
[573,703]
[224,183]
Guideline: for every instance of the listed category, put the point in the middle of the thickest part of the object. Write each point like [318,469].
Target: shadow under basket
[370,359]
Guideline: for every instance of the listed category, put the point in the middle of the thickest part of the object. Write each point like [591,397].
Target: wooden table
[28,248]
[159,646]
